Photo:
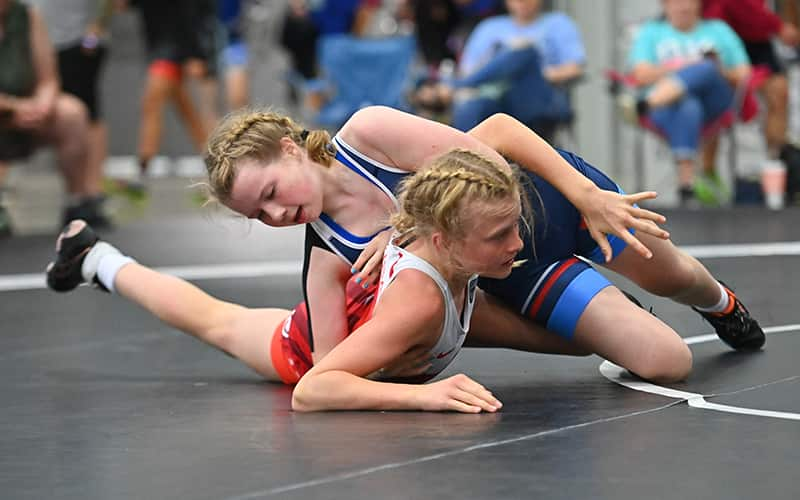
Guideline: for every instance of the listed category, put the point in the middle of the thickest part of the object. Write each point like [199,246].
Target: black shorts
[80,75]
[180,30]
[763,54]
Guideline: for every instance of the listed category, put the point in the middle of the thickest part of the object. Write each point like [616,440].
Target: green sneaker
[705,192]
[135,191]
[719,187]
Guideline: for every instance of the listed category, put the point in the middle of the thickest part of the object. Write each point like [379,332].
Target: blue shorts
[554,287]
[235,55]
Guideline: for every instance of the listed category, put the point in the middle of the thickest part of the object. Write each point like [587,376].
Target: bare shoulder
[395,137]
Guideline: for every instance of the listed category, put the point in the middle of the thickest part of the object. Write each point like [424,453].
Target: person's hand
[367,268]
[30,113]
[608,212]
[789,34]
[456,393]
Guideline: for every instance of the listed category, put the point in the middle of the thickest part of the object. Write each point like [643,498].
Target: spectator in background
[79,31]
[34,111]
[434,21]
[306,20]
[442,26]
[235,55]
[688,70]
[757,25]
[515,64]
[180,38]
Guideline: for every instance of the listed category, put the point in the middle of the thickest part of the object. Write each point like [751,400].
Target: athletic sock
[104,262]
[720,307]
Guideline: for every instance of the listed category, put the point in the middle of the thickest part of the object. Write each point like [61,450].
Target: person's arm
[647,74]
[606,212]
[408,142]
[326,279]
[642,60]
[567,55]
[338,382]
[734,59]
[563,72]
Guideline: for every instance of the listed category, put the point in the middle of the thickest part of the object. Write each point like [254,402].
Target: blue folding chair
[360,72]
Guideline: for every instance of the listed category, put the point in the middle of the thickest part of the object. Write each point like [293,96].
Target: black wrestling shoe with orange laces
[736,327]
[74,243]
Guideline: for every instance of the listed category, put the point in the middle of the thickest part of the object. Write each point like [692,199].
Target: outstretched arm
[605,212]
[339,381]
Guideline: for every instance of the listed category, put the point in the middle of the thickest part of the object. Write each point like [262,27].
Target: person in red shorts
[757,26]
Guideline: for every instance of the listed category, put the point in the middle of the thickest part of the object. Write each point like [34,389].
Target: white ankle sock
[720,306]
[104,261]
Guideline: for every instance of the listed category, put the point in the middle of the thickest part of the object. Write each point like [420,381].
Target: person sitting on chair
[515,64]
[688,71]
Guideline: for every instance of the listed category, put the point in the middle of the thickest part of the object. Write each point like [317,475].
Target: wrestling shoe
[736,327]
[73,244]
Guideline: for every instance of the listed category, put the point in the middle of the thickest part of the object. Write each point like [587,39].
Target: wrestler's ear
[440,241]
[288,146]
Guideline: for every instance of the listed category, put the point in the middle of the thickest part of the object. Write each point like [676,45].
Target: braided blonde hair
[255,134]
[434,198]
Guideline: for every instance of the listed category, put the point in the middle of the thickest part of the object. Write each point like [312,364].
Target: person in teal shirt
[688,70]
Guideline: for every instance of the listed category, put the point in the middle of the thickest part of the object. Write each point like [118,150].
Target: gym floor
[102,401]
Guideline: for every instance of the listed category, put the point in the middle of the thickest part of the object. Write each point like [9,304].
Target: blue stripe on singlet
[383,177]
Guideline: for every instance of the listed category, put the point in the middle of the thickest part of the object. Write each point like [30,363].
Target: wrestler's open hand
[457,393]
[608,212]
[368,265]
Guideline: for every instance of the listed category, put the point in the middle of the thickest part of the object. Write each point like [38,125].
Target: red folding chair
[744,109]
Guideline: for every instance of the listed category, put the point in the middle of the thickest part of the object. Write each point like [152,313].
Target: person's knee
[670,362]
[70,116]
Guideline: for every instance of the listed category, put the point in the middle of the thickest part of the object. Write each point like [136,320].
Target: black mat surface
[101,401]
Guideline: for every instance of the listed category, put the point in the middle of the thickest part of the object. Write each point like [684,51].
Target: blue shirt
[554,34]
[659,43]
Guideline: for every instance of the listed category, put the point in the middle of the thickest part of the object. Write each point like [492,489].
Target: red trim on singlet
[548,284]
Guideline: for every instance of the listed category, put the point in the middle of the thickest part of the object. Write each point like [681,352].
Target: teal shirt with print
[660,44]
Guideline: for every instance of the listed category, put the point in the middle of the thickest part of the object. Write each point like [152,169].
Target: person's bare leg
[237,88]
[241,332]
[669,273]
[493,324]
[665,92]
[710,148]
[191,117]
[157,92]
[208,91]
[776,95]
[98,152]
[685,172]
[618,330]
[68,131]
